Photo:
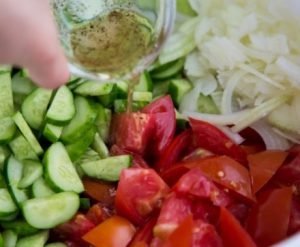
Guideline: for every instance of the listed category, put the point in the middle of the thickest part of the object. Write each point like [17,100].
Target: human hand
[28,38]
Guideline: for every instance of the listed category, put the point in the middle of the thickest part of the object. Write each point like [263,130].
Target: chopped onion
[272,140]
[235,137]
[288,136]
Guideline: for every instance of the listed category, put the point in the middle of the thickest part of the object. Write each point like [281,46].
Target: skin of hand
[28,38]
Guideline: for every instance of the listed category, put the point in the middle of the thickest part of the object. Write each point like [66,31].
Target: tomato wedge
[232,233]
[99,191]
[211,138]
[263,166]
[175,151]
[268,220]
[139,193]
[114,232]
[132,131]
[294,225]
[163,113]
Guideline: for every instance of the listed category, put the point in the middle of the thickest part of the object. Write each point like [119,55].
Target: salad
[209,156]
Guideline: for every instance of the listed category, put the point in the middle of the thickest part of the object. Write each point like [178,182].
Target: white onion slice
[290,137]
[235,137]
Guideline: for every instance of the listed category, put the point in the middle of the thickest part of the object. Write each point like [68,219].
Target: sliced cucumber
[85,203]
[62,109]
[35,106]
[121,90]
[7,130]
[108,169]
[78,148]
[22,84]
[32,170]
[145,83]
[108,99]
[178,88]
[60,172]
[2,181]
[27,133]
[94,88]
[7,205]
[100,147]
[20,227]
[207,105]
[56,245]
[4,153]
[6,96]
[52,132]
[103,121]
[22,149]
[41,189]
[160,88]
[168,70]
[36,240]
[184,7]
[13,170]
[10,238]
[48,212]
[1,240]
[142,96]
[120,105]
[83,120]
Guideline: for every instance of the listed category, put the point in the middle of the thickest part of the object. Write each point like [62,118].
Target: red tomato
[175,151]
[114,232]
[205,234]
[98,213]
[294,224]
[144,235]
[205,211]
[182,236]
[195,184]
[165,124]
[211,138]
[132,131]
[240,211]
[137,159]
[198,154]
[139,192]
[74,229]
[263,166]
[268,220]
[289,173]
[232,233]
[100,191]
[174,210]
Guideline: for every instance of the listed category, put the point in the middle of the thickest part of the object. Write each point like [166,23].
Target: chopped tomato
[100,191]
[211,138]
[74,229]
[263,166]
[195,184]
[294,224]
[205,234]
[174,210]
[137,159]
[175,151]
[132,131]
[114,232]
[205,211]
[198,154]
[240,211]
[172,175]
[182,236]
[232,233]
[268,220]
[98,213]
[139,193]
[144,235]
[253,149]
[165,124]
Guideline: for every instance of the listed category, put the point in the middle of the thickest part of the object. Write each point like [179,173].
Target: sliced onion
[288,136]
[235,137]
[272,140]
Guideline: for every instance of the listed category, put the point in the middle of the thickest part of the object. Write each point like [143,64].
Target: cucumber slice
[145,83]
[168,70]
[13,170]
[94,88]
[121,90]
[142,96]
[178,88]
[22,149]
[27,133]
[83,120]
[60,172]
[36,240]
[160,88]
[46,213]
[1,240]
[20,227]
[56,245]
[41,189]
[85,203]
[32,170]
[52,132]
[100,147]
[10,238]
[108,169]
[78,148]
[184,7]
[2,181]
[120,105]
[35,106]
[21,84]
[103,121]
[62,109]
[207,105]
[7,205]
[7,130]
[4,153]
[6,96]
[108,99]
